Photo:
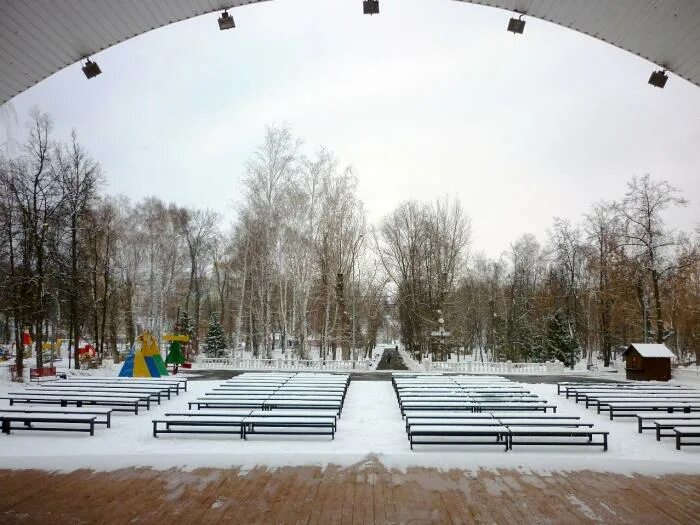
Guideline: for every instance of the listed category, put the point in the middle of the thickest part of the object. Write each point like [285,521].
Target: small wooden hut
[648,362]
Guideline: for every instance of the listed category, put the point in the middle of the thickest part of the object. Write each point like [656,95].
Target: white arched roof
[41,37]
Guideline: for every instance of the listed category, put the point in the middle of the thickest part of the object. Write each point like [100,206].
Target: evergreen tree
[184,324]
[560,344]
[216,340]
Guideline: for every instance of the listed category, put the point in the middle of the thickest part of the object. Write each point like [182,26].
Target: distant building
[648,362]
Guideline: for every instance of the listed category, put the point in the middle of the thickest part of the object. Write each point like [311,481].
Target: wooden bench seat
[226,403]
[458,435]
[630,409]
[118,404]
[38,392]
[555,435]
[157,391]
[639,398]
[310,404]
[193,423]
[641,418]
[427,417]
[687,432]
[176,385]
[103,416]
[56,422]
[669,424]
[284,425]
[154,394]
[581,395]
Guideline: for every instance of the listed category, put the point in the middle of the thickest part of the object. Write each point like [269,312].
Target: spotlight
[516,25]
[658,78]
[226,21]
[370,7]
[91,69]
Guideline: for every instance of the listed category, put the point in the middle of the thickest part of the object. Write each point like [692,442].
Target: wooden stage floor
[364,493]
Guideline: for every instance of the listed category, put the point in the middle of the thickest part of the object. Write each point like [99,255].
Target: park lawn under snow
[371,425]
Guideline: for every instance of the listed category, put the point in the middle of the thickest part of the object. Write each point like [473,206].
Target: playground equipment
[146,362]
[26,343]
[175,355]
[51,351]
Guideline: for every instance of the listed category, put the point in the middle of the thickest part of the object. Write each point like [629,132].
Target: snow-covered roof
[651,350]
[40,37]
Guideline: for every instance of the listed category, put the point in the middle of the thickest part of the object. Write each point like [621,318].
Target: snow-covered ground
[371,425]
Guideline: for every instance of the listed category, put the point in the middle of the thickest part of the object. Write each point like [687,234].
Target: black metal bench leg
[605,442]
[5,426]
[678,441]
[92,428]
[155,432]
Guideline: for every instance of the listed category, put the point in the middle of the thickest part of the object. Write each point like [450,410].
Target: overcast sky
[430,98]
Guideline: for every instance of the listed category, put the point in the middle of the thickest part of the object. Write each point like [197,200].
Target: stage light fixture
[516,25]
[226,21]
[370,7]
[91,69]
[658,78]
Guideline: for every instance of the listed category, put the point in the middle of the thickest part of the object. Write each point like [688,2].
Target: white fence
[280,364]
[476,367]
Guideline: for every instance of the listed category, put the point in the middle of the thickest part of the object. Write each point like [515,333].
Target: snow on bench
[598,400]
[304,425]
[641,418]
[126,392]
[199,423]
[555,435]
[458,435]
[629,409]
[310,404]
[103,416]
[56,422]
[154,390]
[174,384]
[669,424]
[687,432]
[65,400]
[45,392]
[209,402]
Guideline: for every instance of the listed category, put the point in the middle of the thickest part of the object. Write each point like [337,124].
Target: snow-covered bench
[426,417]
[687,432]
[458,435]
[640,397]
[670,424]
[229,422]
[583,395]
[142,398]
[176,385]
[286,425]
[154,394]
[103,416]
[514,406]
[303,404]
[117,403]
[60,422]
[555,435]
[213,402]
[509,422]
[642,418]
[155,391]
[630,408]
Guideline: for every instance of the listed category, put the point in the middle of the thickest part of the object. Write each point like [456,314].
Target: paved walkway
[363,494]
